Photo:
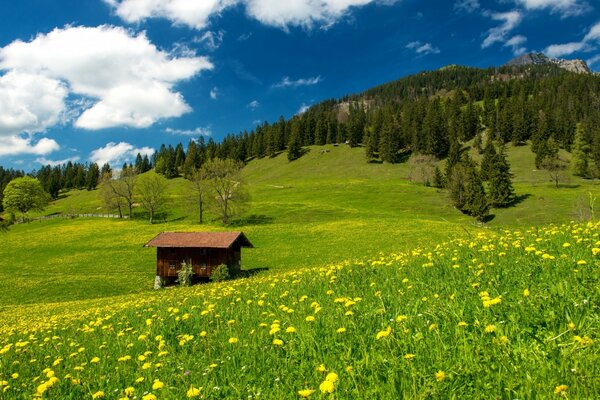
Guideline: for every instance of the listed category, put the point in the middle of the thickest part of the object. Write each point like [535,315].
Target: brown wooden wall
[204,261]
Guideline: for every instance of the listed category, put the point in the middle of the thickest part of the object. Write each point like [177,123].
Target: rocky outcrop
[577,66]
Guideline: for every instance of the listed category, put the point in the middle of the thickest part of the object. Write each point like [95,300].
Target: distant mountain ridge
[578,66]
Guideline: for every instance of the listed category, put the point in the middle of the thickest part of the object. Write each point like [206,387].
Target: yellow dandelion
[157,385]
[95,360]
[291,329]
[490,329]
[321,368]
[149,396]
[129,391]
[409,356]
[310,318]
[98,395]
[277,342]
[526,292]
[560,389]
[341,330]
[384,333]
[332,377]
[233,340]
[15,375]
[462,324]
[327,387]
[304,393]
[440,376]
[193,392]
[571,326]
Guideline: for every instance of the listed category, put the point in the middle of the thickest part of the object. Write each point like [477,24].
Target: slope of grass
[508,315]
[327,206]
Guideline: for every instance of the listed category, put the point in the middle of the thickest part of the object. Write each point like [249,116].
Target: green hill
[325,207]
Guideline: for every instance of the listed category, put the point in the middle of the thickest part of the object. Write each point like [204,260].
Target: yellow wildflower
[193,392]
[384,333]
[129,391]
[560,389]
[327,387]
[440,376]
[277,342]
[233,340]
[305,392]
[341,330]
[409,356]
[490,329]
[157,385]
[98,395]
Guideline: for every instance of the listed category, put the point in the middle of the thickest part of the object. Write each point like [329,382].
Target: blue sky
[100,80]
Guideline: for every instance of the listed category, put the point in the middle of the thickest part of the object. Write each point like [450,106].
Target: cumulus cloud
[13,145]
[566,8]
[254,104]
[54,163]
[200,131]
[29,103]
[509,20]
[422,48]
[128,78]
[116,154]
[282,14]
[515,43]
[287,82]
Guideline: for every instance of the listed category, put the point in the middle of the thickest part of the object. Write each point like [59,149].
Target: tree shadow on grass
[253,219]
[247,273]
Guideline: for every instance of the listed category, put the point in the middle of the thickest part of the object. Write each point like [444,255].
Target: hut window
[203,266]
[172,265]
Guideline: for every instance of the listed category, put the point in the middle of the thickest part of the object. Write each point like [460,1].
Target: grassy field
[322,208]
[508,315]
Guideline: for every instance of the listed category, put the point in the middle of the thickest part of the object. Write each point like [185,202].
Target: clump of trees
[24,194]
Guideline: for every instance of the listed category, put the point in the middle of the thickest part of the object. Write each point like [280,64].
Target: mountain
[577,65]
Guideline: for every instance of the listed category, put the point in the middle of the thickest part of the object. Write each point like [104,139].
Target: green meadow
[327,206]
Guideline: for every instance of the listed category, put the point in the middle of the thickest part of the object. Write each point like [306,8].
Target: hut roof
[215,240]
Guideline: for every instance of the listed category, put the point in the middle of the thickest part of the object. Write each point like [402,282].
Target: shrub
[185,274]
[220,274]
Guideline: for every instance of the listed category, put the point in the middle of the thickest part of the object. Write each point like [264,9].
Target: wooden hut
[203,250]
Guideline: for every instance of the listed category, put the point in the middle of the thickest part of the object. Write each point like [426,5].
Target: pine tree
[476,202]
[93,176]
[438,178]
[489,153]
[501,192]
[294,147]
[454,157]
[581,150]
[138,164]
[370,143]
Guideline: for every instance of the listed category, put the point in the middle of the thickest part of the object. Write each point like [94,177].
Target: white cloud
[244,36]
[303,108]
[593,60]
[116,154]
[422,48]
[286,82]
[211,40]
[467,5]
[54,163]
[200,131]
[128,78]
[586,44]
[12,145]
[515,43]
[509,20]
[557,50]
[213,93]
[566,8]
[254,104]
[282,14]
[594,33]
[29,103]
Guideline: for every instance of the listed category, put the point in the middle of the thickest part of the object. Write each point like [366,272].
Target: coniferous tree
[501,192]
[454,157]
[476,202]
[93,176]
[138,164]
[487,161]
[106,170]
[581,150]
[438,178]
[294,147]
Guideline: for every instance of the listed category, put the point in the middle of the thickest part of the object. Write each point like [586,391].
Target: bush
[220,274]
[185,274]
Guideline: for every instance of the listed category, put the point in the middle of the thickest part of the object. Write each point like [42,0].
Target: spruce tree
[294,146]
[93,176]
[438,178]
[476,202]
[489,153]
[501,192]
[581,150]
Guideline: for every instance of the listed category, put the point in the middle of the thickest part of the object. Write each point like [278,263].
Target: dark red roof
[214,240]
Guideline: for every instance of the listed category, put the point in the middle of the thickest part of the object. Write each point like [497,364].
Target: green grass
[322,208]
[511,315]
